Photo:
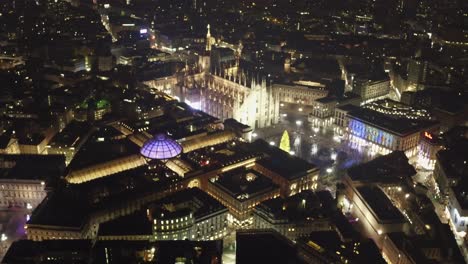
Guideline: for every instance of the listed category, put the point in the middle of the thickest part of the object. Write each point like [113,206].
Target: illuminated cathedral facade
[225,93]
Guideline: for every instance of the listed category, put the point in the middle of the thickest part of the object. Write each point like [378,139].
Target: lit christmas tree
[284,144]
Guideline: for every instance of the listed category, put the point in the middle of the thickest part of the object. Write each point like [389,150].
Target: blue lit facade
[372,134]
[379,140]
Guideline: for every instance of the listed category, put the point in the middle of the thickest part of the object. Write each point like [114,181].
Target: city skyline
[213,131]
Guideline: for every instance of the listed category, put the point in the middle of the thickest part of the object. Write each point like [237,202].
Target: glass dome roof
[160,147]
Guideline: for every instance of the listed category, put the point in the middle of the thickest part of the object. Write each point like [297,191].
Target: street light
[300,109]
[299,122]
[272,143]
[329,170]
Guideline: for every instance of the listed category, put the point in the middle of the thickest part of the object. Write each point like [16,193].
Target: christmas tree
[284,144]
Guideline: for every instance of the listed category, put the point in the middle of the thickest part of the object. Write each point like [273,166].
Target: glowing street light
[300,109]
[3,237]
[299,122]
[272,143]
[292,152]
[329,170]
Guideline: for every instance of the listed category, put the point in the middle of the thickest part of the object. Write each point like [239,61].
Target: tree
[285,143]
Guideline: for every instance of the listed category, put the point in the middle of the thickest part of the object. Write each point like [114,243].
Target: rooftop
[264,246]
[167,251]
[243,184]
[391,168]
[287,166]
[103,145]
[23,251]
[396,125]
[134,224]
[380,204]
[160,147]
[32,167]
[303,206]
[71,134]
[194,200]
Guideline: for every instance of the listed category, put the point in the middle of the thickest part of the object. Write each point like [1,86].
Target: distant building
[370,90]
[323,111]
[303,93]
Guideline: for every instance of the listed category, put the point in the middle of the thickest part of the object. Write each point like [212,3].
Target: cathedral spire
[208,39]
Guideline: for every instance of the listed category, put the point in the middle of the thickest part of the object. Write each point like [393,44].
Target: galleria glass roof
[161,147]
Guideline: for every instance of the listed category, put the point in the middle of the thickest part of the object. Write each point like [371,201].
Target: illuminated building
[25,178]
[341,119]
[240,190]
[370,90]
[428,147]
[161,147]
[324,109]
[224,94]
[291,173]
[69,140]
[451,171]
[397,109]
[297,215]
[384,134]
[92,110]
[8,144]
[189,214]
[247,99]
[368,188]
[301,92]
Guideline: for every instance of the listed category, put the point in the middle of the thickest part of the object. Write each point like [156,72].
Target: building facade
[250,101]
[371,90]
[300,93]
